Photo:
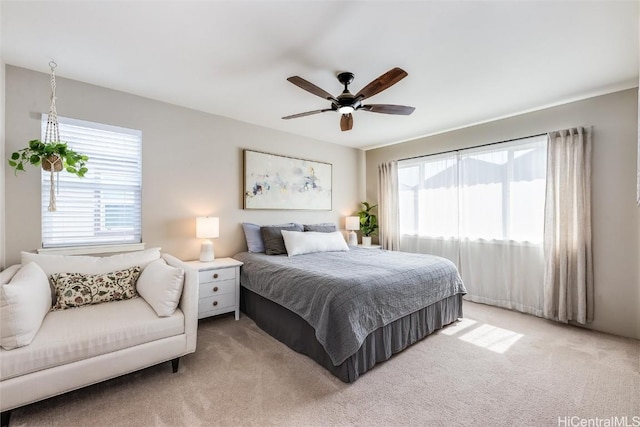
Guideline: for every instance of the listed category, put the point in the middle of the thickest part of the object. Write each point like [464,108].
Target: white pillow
[298,243]
[24,302]
[161,286]
[84,264]
[7,273]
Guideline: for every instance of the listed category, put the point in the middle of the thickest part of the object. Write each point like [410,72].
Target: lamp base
[206,251]
[353,238]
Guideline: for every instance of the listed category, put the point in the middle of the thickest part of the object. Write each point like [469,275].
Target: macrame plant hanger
[52,134]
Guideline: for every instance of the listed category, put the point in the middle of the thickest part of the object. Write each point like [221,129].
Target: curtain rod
[474,146]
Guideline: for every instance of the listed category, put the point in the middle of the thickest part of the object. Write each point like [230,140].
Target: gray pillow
[272,238]
[253,236]
[321,228]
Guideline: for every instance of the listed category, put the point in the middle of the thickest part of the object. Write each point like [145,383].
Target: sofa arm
[188,300]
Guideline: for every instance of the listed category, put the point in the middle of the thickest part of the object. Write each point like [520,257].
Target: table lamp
[352,223]
[207,227]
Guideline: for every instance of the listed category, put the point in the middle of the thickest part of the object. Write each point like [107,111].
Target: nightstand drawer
[216,302]
[217,288]
[208,276]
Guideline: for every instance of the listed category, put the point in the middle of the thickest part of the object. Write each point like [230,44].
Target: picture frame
[276,182]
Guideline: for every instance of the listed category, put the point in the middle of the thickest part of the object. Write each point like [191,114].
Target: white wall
[2,164]
[615,216]
[191,165]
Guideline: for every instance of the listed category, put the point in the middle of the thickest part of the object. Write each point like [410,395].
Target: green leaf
[37,150]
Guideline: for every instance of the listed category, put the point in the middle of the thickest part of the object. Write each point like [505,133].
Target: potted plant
[368,223]
[52,156]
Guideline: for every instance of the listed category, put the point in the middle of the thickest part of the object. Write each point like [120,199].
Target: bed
[349,310]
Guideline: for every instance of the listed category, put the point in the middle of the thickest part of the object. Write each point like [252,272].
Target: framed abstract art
[280,182]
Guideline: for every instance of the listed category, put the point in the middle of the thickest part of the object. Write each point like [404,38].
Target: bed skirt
[380,345]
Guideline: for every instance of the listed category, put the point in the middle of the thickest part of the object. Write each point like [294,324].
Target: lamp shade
[207,227]
[352,223]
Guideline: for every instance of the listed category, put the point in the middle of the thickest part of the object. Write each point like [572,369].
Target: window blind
[103,207]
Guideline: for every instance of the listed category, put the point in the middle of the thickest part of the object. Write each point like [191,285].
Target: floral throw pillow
[77,289]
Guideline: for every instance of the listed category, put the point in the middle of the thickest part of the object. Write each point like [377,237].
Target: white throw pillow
[8,273]
[161,286]
[84,264]
[24,302]
[298,243]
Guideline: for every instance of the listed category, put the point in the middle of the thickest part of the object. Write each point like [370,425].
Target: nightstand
[370,247]
[218,286]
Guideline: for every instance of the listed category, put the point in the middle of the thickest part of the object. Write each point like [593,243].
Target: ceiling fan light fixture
[345,109]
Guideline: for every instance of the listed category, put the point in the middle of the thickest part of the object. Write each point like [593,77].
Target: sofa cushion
[8,273]
[91,264]
[77,289]
[161,286]
[67,336]
[24,302]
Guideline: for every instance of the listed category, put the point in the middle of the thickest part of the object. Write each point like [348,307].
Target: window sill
[92,250]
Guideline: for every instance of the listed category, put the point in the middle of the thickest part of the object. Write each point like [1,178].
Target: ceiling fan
[346,103]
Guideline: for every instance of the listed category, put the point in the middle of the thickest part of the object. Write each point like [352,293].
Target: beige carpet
[495,368]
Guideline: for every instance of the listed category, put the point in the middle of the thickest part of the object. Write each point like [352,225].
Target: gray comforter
[345,296]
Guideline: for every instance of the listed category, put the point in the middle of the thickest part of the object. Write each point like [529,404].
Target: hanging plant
[52,154]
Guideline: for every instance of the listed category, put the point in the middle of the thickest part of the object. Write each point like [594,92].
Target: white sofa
[76,347]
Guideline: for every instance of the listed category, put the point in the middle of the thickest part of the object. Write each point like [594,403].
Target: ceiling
[467,62]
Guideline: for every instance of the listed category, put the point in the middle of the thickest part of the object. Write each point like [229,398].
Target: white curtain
[389,235]
[482,208]
[568,284]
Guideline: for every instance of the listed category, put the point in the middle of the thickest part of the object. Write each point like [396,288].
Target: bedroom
[212,187]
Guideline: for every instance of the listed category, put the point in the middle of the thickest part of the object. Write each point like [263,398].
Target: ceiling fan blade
[311,88]
[308,113]
[346,122]
[383,82]
[402,110]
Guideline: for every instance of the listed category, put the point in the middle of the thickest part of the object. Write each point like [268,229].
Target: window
[494,192]
[482,208]
[103,208]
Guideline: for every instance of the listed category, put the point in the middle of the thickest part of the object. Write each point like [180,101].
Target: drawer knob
[215,303]
[215,275]
[215,289]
